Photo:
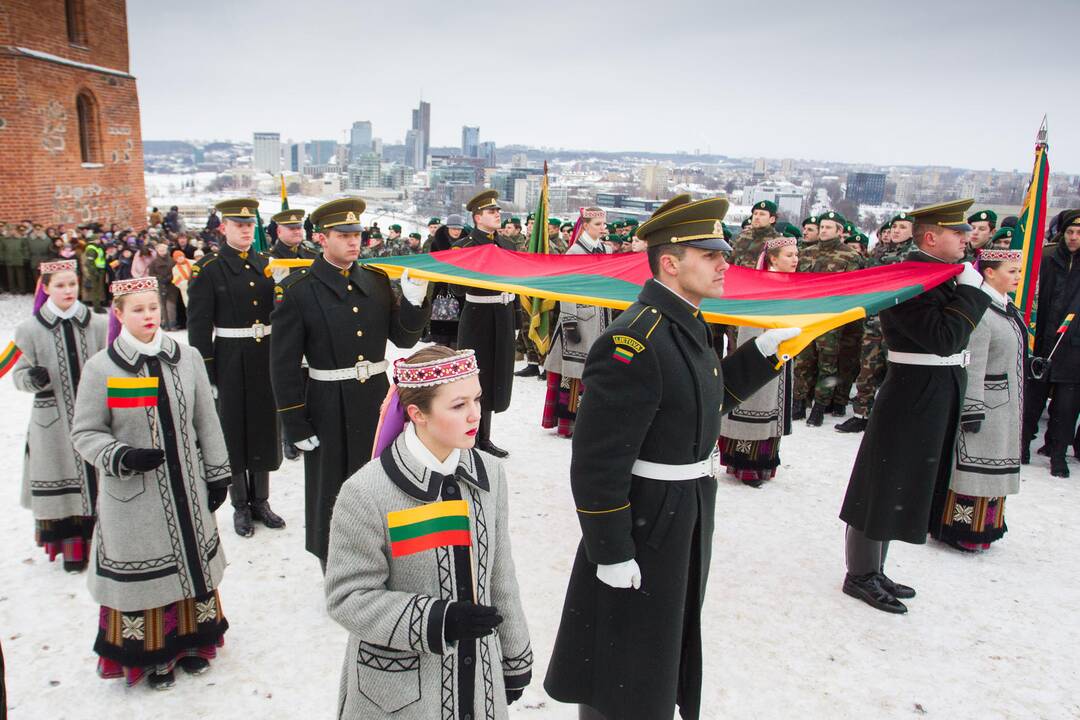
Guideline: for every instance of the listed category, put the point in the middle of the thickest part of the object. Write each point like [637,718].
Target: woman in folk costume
[145,418]
[750,434]
[578,327]
[55,344]
[420,571]
[970,513]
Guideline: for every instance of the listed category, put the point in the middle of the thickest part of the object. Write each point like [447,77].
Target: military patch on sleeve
[195,270]
[279,293]
[625,348]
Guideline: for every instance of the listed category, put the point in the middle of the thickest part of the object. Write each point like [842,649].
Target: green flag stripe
[427,527]
[132,392]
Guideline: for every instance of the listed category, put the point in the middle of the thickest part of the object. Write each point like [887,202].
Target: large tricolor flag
[540,308]
[426,527]
[1032,227]
[816,302]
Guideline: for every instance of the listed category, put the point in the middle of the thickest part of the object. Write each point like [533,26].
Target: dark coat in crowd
[1059,295]
[906,451]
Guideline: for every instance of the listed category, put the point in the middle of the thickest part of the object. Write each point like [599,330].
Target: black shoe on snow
[529,370]
[817,415]
[242,522]
[871,591]
[898,591]
[853,424]
[161,681]
[491,448]
[838,410]
[1059,468]
[798,409]
[1044,451]
[193,664]
[290,451]
[260,510]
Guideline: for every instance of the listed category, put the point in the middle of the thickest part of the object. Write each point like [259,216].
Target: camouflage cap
[289,217]
[947,215]
[342,215]
[238,209]
[697,224]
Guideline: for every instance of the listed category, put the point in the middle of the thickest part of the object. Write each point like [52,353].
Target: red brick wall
[42,174]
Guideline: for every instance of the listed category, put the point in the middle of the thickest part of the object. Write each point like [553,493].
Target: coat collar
[236,263]
[677,310]
[414,478]
[49,319]
[130,359]
[331,277]
[281,250]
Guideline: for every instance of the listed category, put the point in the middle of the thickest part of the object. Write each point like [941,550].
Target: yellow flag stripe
[446,508]
[136,382]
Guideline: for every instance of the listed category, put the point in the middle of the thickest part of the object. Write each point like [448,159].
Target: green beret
[618,224]
[434,221]
[554,221]
[902,216]
[984,215]
[415,235]
[530,217]
[834,216]
[766,205]
[812,220]
[791,231]
[849,228]
[745,223]
[887,225]
[375,234]
[1005,233]
[728,232]
[611,227]
[238,209]
[342,215]
[516,221]
[396,228]
[289,217]
[504,223]
[860,238]
[632,222]
[567,226]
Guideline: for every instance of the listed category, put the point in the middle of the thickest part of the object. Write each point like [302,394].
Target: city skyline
[854,82]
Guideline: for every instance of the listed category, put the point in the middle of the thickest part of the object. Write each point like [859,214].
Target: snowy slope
[989,636]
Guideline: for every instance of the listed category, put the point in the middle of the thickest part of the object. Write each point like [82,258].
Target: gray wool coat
[156,540]
[987,463]
[56,483]
[762,415]
[397,661]
[568,358]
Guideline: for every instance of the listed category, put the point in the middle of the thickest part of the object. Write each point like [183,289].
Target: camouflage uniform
[746,250]
[835,256]
[384,250]
[518,241]
[807,255]
[804,373]
[873,353]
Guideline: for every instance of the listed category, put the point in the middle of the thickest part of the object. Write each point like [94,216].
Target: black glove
[971,426]
[512,695]
[217,496]
[571,333]
[142,459]
[39,375]
[464,620]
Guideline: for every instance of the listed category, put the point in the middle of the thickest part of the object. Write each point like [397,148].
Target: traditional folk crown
[55,266]
[1000,255]
[134,285]
[590,214]
[779,242]
[436,372]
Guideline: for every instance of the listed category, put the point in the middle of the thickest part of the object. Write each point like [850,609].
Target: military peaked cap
[483,201]
[342,215]
[289,217]
[238,209]
[697,224]
[947,215]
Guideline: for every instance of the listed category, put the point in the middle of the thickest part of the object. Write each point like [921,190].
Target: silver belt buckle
[259,329]
[363,371]
[965,358]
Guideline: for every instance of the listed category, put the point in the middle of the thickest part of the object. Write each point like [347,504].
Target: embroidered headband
[595,213]
[436,372]
[779,242]
[134,285]
[55,266]
[1000,254]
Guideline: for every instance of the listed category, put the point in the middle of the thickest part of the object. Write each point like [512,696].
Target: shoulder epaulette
[645,321]
[372,268]
[294,277]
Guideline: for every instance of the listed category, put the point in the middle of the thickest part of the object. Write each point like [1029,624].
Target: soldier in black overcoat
[629,642]
[230,297]
[338,315]
[906,453]
[486,323]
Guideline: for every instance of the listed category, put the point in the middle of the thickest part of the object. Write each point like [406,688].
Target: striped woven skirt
[133,644]
[745,458]
[69,537]
[561,403]
[970,523]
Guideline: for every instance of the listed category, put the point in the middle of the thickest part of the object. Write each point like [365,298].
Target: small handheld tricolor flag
[9,358]
[132,392]
[428,526]
[1065,323]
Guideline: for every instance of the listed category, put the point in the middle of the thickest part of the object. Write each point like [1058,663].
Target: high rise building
[267,154]
[376,146]
[365,172]
[470,141]
[487,153]
[519,160]
[421,126]
[321,152]
[654,180]
[296,157]
[413,149]
[866,188]
[360,139]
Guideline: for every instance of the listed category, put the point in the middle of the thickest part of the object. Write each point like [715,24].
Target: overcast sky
[948,82]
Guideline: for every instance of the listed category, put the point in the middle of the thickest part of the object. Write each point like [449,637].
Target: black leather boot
[242,521]
[529,370]
[870,589]
[817,415]
[1058,466]
[798,409]
[853,424]
[260,510]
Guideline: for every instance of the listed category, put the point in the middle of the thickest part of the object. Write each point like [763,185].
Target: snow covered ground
[993,635]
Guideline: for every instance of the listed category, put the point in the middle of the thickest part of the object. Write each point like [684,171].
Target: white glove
[970,277]
[307,444]
[213,391]
[415,291]
[620,575]
[769,341]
